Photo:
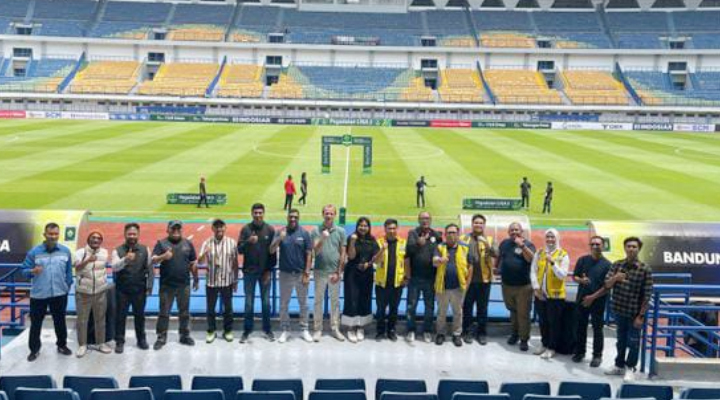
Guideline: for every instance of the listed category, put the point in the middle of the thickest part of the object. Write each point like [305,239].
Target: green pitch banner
[480,203]
[351,121]
[194,198]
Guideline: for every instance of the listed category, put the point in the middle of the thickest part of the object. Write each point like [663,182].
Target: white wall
[586,62]
[107,51]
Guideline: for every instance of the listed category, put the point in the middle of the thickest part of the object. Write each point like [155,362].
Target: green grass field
[126,169]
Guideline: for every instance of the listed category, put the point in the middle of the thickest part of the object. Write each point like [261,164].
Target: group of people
[291,191]
[444,267]
[526,186]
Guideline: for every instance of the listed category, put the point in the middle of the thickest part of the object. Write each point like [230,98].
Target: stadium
[576,128]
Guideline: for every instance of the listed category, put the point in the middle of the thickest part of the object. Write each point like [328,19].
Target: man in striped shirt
[219,253]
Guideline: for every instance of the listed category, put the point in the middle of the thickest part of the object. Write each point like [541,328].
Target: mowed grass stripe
[673,144]
[152,178]
[641,199]
[29,126]
[667,173]
[75,169]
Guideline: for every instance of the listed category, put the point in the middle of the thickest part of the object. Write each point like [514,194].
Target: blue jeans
[249,282]
[416,287]
[628,338]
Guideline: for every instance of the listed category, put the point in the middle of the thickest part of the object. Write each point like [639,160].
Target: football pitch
[126,169]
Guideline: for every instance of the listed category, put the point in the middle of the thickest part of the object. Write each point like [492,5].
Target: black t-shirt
[525,188]
[175,272]
[549,193]
[596,270]
[514,268]
[421,264]
[365,250]
[420,186]
[256,257]
[391,262]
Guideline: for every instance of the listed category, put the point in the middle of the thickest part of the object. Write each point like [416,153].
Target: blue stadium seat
[634,390]
[408,396]
[340,384]
[586,390]
[210,394]
[229,385]
[277,385]
[480,396]
[3,396]
[122,394]
[83,385]
[517,391]
[399,386]
[539,397]
[45,394]
[158,384]
[700,393]
[278,395]
[10,383]
[448,387]
[337,395]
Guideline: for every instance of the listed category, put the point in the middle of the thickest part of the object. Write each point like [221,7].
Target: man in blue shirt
[49,266]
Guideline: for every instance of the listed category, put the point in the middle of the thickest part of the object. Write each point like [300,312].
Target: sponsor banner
[252,120]
[84,115]
[717,128]
[352,121]
[189,118]
[416,124]
[171,110]
[21,230]
[129,117]
[530,125]
[290,121]
[479,203]
[652,126]
[694,128]
[36,115]
[194,198]
[595,126]
[450,123]
[12,114]
[489,124]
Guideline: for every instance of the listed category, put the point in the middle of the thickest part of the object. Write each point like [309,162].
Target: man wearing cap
[219,253]
[177,259]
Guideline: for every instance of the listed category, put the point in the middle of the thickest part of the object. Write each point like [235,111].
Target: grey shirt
[327,260]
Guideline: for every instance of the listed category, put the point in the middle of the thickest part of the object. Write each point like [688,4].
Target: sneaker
[228,336]
[482,339]
[316,336]
[338,335]
[540,351]
[64,351]
[578,358]
[524,345]
[104,348]
[428,337]
[187,341]
[210,337]
[360,334]
[119,348]
[305,335]
[467,337]
[439,339]
[410,337]
[629,375]
[392,336]
[513,339]
[548,355]
[269,336]
[245,336]
[457,341]
[615,371]
[33,356]
[284,336]
[158,345]
[379,337]
[596,362]
[142,345]
[81,351]
[351,336]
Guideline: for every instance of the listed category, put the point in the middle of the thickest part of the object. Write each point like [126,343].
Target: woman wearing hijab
[362,251]
[91,273]
[549,269]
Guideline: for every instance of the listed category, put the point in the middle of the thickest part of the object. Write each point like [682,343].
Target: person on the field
[203,193]
[525,187]
[480,258]
[548,198]
[515,255]
[134,277]
[362,251]
[420,271]
[49,267]
[420,186]
[303,189]
[90,293]
[254,244]
[178,260]
[219,252]
[453,275]
[590,273]
[389,280]
[289,193]
[329,245]
[550,266]
[295,246]
[631,282]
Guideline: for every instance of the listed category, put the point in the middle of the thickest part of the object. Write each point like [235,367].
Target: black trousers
[38,310]
[550,314]
[388,301]
[477,295]
[302,200]
[135,299]
[203,198]
[526,201]
[420,200]
[288,202]
[226,293]
[546,205]
[596,314]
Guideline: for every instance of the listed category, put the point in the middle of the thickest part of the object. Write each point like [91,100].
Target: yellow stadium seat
[521,87]
[460,86]
[594,87]
[109,77]
[180,79]
[241,80]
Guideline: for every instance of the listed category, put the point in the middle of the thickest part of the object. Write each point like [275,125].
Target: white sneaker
[351,336]
[316,336]
[104,348]
[428,337]
[284,336]
[410,337]
[305,335]
[540,351]
[360,334]
[615,371]
[338,335]
[81,351]
[629,375]
[548,354]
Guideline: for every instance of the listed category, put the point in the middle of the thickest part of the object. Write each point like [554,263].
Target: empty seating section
[451,28]
[460,86]
[696,21]
[241,80]
[593,87]
[255,23]
[77,10]
[572,29]
[180,79]
[286,88]
[416,91]
[108,77]
[635,30]
[488,21]
[40,75]
[362,83]
[131,20]
[84,385]
[521,87]
[16,9]
[507,39]
[196,22]
[657,88]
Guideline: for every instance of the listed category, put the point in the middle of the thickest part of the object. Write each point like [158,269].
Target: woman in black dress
[303,189]
[362,250]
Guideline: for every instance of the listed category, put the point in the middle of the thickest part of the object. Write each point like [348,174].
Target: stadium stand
[507,39]
[241,80]
[593,87]
[451,28]
[255,23]
[43,75]
[416,91]
[14,9]
[657,88]
[197,22]
[521,87]
[180,79]
[107,77]
[131,20]
[62,18]
[638,30]
[286,88]
[460,86]
[361,83]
